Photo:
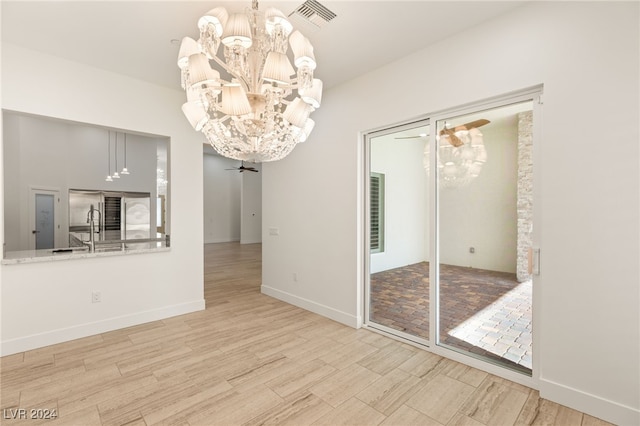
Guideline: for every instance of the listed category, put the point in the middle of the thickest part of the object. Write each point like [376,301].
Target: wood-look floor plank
[300,378]
[441,398]
[344,384]
[461,420]
[67,385]
[424,364]
[388,357]
[351,412]
[303,410]
[464,373]
[407,416]
[104,390]
[181,408]
[391,391]
[236,410]
[345,355]
[495,403]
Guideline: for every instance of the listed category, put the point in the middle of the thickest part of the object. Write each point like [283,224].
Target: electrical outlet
[96,297]
[472,250]
[295,277]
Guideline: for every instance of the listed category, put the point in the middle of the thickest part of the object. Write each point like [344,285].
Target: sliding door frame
[410,338]
[533,94]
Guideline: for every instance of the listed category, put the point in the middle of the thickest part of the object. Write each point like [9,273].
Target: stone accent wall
[525,192]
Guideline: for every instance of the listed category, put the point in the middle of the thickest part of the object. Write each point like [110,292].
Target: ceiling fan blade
[253,170]
[453,139]
[472,124]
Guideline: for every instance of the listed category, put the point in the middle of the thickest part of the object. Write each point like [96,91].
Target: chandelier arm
[237,76]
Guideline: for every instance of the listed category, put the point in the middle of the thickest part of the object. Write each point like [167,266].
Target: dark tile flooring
[484,312]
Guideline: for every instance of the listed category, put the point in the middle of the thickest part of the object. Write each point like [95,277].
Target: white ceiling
[134,37]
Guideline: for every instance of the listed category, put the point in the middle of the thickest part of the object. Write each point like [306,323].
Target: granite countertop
[33,256]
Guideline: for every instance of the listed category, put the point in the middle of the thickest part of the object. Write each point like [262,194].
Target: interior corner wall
[483,214]
[406,202]
[587,342]
[222,199]
[50,302]
[251,207]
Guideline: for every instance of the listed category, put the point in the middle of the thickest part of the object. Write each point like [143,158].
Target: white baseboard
[251,241]
[309,305]
[21,344]
[593,405]
[221,240]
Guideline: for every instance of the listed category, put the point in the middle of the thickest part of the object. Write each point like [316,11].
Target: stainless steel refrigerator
[117,215]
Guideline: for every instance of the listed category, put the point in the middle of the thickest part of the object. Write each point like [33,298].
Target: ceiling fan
[242,168]
[453,139]
[451,133]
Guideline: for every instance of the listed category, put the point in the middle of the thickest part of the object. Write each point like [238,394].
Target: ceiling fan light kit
[255,106]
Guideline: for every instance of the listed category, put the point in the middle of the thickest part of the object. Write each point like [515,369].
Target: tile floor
[249,359]
[485,312]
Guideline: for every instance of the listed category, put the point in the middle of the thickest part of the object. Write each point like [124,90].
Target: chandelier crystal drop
[255,106]
[460,157]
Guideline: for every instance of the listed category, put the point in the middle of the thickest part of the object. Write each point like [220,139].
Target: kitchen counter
[33,256]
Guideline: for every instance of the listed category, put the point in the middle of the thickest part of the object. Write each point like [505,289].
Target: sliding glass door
[449,220]
[485,224]
[398,232]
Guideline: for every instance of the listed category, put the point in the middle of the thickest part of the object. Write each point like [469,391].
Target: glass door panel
[45,221]
[485,191]
[398,232]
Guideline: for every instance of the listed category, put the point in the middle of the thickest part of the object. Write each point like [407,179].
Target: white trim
[317,308]
[251,241]
[417,341]
[364,244]
[61,335]
[222,240]
[588,403]
[537,280]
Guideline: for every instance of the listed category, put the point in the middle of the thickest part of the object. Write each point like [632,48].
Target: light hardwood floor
[250,359]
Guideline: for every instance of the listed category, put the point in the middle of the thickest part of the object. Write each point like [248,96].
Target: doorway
[44,218]
[449,226]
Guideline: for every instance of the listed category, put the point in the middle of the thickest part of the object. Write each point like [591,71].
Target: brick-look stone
[525,193]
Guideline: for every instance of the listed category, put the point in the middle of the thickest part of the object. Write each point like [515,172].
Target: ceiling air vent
[312,12]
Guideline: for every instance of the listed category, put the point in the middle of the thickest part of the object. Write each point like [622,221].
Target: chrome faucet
[92,227]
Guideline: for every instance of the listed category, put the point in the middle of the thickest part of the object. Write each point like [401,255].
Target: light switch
[274,231]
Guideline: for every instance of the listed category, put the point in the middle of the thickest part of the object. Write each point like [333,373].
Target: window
[377,213]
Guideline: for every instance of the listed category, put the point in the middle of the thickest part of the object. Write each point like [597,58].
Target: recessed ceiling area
[134,37]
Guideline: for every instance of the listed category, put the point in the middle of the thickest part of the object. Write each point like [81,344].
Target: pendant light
[108,179]
[115,173]
[124,169]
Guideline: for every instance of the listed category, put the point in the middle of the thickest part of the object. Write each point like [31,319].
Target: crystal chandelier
[461,155]
[246,107]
